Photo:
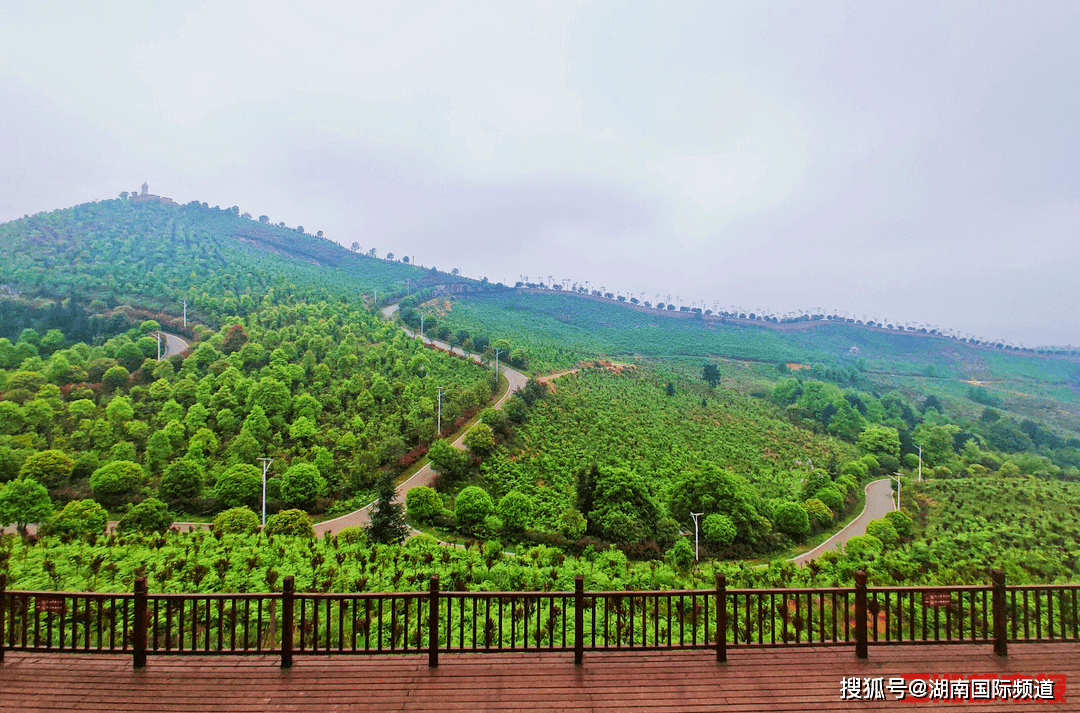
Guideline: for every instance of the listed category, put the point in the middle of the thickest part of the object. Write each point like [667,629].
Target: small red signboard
[52,605]
[937,599]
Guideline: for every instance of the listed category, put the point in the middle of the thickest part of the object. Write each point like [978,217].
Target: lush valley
[768,433]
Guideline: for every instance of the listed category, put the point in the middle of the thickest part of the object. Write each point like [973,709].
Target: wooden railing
[289,624]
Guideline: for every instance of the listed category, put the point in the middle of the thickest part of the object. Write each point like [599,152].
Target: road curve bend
[879,501]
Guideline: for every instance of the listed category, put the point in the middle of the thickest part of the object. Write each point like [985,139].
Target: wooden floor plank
[766,680]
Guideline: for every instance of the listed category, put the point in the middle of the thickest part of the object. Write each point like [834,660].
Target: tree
[387,525]
[515,510]
[623,510]
[791,519]
[290,522]
[182,482]
[149,516]
[818,511]
[302,485]
[116,482]
[669,388]
[472,505]
[115,377]
[480,440]
[51,468]
[423,503]
[235,339]
[79,519]
[712,490]
[719,529]
[447,460]
[880,440]
[241,521]
[240,485]
[711,374]
[24,501]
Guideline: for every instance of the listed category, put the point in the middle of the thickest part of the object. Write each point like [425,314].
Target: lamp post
[159,346]
[497,370]
[266,466]
[440,411]
[421,327]
[696,515]
[920,461]
[899,488]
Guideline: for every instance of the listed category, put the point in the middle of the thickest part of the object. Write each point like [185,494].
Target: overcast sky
[912,161]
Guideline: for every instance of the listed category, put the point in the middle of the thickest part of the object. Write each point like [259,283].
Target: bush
[719,529]
[495,419]
[681,554]
[479,440]
[115,483]
[51,468]
[290,522]
[883,530]
[831,497]
[515,509]
[572,524]
[236,521]
[151,515]
[667,531]
[301,485]
[79,519]
[904,525]
[863,545]
[351,535]
[22,502]
[472,505]
[182,482]
[240,485]
[856,468]
[791,519]
[423,503]
[819,512]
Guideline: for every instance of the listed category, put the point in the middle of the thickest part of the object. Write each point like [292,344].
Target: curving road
[879,501]
[173,344]
[424,476]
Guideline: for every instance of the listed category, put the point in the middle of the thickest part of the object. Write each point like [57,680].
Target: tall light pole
[266,466]
[440,411]
[185,312]
[421,327]
[899,488]
[920,461]
[159,346]
[497,370]
[696,515]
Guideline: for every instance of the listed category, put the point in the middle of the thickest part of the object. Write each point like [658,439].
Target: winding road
[879,501]
[424,476]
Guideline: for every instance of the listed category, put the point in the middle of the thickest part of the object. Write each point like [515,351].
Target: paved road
[879,500]
[173,344]
[425,475]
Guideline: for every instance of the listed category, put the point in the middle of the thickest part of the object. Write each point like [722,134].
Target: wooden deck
[762,680]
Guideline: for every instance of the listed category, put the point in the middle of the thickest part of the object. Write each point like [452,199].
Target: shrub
[472,505]
[22,502]
[423,503]
[667,531]
[117,482]
[182,482]
[479,439]
[719,529]
[819,512]
[151,515]
[572,524]
[862,545]
[831,497]
[351,535]
[904,525]
[240,485]
[301,485]
[883,530]
[290,522]
[515,509]
[790,518]
[236,521]
[856,468]
[681,554]
[79,519]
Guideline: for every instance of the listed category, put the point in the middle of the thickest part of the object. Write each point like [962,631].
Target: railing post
[3,611]
[1001,631]
[579,619]
[433,622]
[721,617]
[287,591]
[138,634]
[860,615]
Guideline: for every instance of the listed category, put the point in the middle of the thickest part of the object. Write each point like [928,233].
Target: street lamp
[899,488]
[497,370]
[266,466]
[696,515]
[440,411]
[920,460]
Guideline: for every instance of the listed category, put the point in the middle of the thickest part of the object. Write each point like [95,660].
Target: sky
[915,162]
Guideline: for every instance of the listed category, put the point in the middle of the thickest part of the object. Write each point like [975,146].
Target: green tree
[447,460]
[51,468]
[24,501]
[182,482]
[880,440]
[719,529]
[240,521]
[480,440]
[472,505]
[711,374]
[423,503]
[818,512]
[290,522]
[515,510]
[387,524]
[79,519]
[681,554]
[623,510]
[791,518]
[115,377]
[117,482]
[302,485]
[712,490]
[239,485]
[149,516]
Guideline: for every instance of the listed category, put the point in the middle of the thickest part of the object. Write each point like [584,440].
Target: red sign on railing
[937,599]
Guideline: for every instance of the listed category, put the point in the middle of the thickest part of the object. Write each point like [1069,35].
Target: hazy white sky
[914,161]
